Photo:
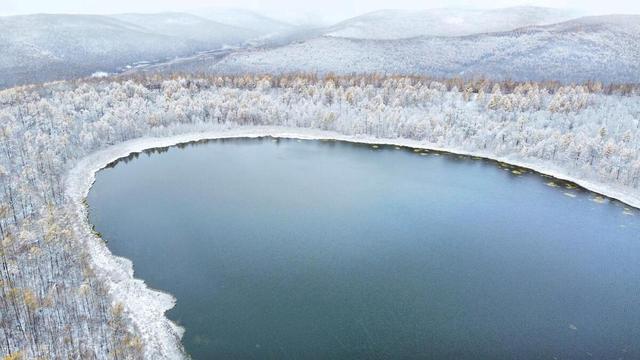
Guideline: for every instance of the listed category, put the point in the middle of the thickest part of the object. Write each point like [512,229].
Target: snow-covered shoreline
[146,307]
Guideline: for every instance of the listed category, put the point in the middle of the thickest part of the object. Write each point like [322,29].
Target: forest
[55,306]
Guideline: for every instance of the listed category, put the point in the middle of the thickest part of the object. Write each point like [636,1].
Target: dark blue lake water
[286,249]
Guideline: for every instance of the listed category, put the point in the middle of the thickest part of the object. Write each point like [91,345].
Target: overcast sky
[321,10]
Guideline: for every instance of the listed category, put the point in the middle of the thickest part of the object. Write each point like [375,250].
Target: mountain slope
[186,26]
[398,24]
[246,19]
[46,47]
[269,32]
[605,48]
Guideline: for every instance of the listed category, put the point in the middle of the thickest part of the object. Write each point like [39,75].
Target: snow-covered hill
[246,19]
[269,32]
[443,42]
[399,24]
[205,32]
[605,48]
[44,47]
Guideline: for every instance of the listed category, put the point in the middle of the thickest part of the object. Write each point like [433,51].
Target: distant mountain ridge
[46,47]
[207,33]
[604,48]
[402,24]
[246,19]
[520,43]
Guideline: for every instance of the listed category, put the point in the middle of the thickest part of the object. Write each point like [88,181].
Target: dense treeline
[475,85]
[54,306]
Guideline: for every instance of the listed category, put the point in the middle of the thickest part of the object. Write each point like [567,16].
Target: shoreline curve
[145,306]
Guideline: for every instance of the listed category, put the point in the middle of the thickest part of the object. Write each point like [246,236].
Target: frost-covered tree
[53,303]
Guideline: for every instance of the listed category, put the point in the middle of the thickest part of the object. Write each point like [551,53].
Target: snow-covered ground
[145,306]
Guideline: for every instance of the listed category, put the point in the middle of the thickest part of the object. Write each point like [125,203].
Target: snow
[145,306]
[605,49]
[245,19]
[403,24]
[45,47]
[206,34]
[582,133]
[440,42]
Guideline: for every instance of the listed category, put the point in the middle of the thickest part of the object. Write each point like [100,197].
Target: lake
[289,249]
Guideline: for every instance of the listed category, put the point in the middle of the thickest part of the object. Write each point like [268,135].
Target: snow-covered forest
[604,48]
[55,306]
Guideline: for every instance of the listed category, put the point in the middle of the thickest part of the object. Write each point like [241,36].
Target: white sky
[297,10]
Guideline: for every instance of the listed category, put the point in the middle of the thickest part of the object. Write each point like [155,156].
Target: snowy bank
[145,306]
